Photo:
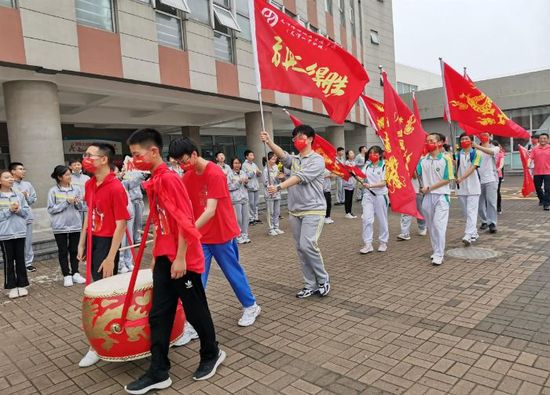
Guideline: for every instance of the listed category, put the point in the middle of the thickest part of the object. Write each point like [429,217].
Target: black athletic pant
[499,196]
[67,246]
[166,293]
[15,271]
[543,193]
[328,198]
[348,200]
[100,250]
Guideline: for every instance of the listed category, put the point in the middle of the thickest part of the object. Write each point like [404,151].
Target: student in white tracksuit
[253,186]
[406,220]
[489,183]
[468,186]
[273,200]
[360,161]
[375,201]
[236,183]
[341,157]
[435,171]
[306,206]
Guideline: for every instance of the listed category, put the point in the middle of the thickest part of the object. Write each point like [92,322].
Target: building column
[253,126]
[194,133]
[336,136]
[34,131]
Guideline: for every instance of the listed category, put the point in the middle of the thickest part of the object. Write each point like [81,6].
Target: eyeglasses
[182,160]
[87,155]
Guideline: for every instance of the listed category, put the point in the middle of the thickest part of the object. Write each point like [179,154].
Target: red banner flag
[375,111]
[293,59]
[473,108]
[528,183]
[401,191]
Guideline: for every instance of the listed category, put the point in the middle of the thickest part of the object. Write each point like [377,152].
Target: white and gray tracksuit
[340,184]
[469,190]
[436,203]
[126,258]
[360,162]
[375,203]
[239,198]
[406,220]
[133,180]
[64,216]
[25,186]
[489,187]
[253,187]
[307,207]
[273,201]
[78,180]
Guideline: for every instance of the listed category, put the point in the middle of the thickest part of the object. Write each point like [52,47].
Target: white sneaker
[247,239]
[329,220]
[123,269]
[249,315]
[78,279]
[349,216]
[467,241]
[279,231]
[189,333]
[91,358]
[366,249]
[383,247]
[437,260]
[403,237]
[68,281]
[14,293]
[423,232]
[240,240]
[273,232]
[22,291]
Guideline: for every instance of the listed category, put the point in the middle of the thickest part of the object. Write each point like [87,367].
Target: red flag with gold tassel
[401,191]
[528,183]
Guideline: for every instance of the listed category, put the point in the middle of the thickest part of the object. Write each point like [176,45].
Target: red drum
[102,310]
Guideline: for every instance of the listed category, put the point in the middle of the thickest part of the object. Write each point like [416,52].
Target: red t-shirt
[166,226]
[541,158]
[110,204]
[212,184]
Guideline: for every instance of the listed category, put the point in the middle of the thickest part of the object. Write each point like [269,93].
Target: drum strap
[89,238]
[137,263]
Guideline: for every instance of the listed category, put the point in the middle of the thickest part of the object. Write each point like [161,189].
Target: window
[7,3]
[374,37]
[352,17]
[403,87]
[225,18]
[223,3]
[302,21]
[342,10]
[313,28]
[277,5]
[328,6]
[243,20]
[177,4]
[95,13]
[200,10]
[169,30]
[224,25]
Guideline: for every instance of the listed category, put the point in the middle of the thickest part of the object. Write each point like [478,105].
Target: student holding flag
[306,206]
[436,171]
[468,186]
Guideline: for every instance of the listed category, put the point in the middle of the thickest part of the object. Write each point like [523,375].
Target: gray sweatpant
[253,201]
[126,259]
[138,219]
[306,231]
[488,203]
[469,204]
[340,198]
[242,211]
[406,220]
[29,253]
[435,208]
[273,210]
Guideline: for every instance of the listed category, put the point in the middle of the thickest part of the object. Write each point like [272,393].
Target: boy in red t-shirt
[177,265]
[106,200]
[209,194]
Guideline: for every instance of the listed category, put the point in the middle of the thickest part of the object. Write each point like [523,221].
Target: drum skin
[100,319]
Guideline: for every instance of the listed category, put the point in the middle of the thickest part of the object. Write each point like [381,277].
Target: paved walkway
[393,323]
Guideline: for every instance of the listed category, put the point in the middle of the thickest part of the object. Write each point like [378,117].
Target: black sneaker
[305,293]
[324,289]
[207,369]
[147,383]
[258,221]
[31,268]
[492,228]
[483,226]
[546,208]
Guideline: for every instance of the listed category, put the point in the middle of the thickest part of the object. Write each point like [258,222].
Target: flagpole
[447,109]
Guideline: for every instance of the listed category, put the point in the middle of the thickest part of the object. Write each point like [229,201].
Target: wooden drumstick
[133,246]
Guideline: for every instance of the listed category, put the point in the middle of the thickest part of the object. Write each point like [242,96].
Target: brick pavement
[392,323]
